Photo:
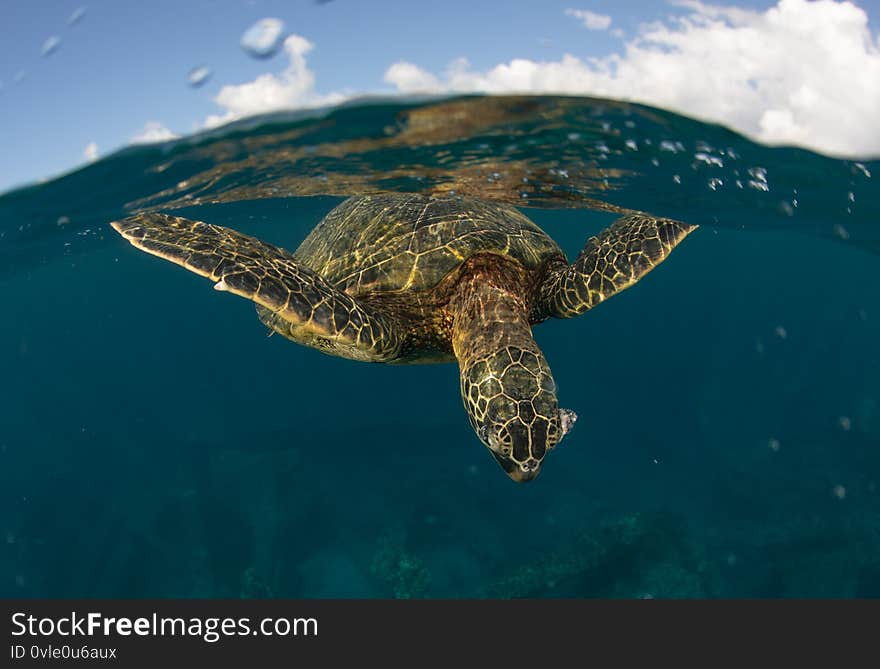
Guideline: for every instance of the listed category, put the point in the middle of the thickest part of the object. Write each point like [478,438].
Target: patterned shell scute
[394,243]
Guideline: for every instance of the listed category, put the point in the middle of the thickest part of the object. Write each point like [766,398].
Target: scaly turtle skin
[409,278]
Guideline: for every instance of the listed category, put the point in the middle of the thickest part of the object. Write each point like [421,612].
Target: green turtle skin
[406,278]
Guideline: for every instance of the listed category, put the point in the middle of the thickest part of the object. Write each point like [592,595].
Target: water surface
[154,442]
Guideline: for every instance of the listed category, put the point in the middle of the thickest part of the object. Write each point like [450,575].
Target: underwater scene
[155,442]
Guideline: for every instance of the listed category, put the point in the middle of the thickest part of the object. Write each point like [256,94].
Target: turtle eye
[483,434]
[499,441]
[495,441]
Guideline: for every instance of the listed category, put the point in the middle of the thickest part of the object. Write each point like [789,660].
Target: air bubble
[759,179]
[709,160]
[672,147]
[263,39]
[198,76]
[861,168]
[51,45]
[76,16]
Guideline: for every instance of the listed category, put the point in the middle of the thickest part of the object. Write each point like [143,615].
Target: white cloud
[90,153]
[800,72]
[293,88]
[410,78]
[591,20]
[153,131]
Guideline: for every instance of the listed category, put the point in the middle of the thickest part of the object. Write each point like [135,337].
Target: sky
[81,78]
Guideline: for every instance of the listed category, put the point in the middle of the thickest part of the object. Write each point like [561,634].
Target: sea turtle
[407,278]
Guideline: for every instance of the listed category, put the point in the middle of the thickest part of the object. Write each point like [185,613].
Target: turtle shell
[400,243]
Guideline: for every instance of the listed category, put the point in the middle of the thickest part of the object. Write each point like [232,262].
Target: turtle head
[511,402]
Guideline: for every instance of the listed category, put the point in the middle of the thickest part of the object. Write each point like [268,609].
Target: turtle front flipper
[611,261]
[293,299]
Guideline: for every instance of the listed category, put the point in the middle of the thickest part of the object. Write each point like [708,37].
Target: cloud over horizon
[801,72]
[293,88]
[90,153]
[805,73]
[591,20]
[153,131]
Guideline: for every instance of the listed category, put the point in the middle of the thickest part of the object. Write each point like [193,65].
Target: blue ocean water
[154,442]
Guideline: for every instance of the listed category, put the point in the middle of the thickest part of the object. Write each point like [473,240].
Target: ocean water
[154,442]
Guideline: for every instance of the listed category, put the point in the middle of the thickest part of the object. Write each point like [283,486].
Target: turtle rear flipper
[612,261]
[300,304]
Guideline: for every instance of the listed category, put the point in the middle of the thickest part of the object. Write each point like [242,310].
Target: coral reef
[633,555]
[403,574]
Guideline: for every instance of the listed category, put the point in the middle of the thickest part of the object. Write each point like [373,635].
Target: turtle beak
[514,471]
[520,476]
